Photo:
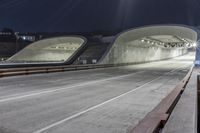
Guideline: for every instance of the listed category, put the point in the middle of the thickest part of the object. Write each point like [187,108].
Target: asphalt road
[111,100]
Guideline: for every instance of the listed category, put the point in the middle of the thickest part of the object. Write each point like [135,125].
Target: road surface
[110,100]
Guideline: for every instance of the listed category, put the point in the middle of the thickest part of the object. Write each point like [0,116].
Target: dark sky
[95,15]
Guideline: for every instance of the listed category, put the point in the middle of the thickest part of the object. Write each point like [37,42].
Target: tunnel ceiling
[168,41]
[161,33]
[91,15]
[167,38]
[163,36]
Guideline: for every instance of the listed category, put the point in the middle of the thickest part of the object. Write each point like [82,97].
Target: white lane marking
[92,108]
[99,105]
[35,93]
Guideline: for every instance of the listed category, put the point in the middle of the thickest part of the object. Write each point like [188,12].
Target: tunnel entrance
[151,43]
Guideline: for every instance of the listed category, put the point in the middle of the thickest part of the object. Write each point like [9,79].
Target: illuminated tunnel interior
[149,44]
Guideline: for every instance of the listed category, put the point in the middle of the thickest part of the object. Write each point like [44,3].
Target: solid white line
[92,108]
[35,93]
[99,105]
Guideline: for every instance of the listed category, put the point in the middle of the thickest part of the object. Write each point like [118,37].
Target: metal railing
[48,69]
[25,70]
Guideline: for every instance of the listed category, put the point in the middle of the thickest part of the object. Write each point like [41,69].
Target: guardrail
[5,72]
[25,70]
[156,119]
[48,69]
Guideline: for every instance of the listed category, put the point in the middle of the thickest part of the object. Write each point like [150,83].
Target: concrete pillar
[197,60]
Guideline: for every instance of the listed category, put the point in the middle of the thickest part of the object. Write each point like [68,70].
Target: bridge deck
[111,100]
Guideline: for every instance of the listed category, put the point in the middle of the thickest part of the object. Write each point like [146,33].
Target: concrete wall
[128,49]
[126,53]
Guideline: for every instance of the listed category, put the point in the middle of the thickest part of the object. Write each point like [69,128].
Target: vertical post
[197,56]
[198,102]
[16,42]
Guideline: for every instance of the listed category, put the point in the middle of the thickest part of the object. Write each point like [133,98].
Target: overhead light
[194,44]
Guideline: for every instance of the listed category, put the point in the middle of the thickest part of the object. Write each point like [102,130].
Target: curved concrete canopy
[59,49]
[134,34]
[149,43]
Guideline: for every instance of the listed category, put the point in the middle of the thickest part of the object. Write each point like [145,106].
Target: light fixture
[194,44]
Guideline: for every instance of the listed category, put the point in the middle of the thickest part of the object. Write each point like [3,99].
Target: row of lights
[5,33]
[152,42]
[164,44]
[190,44]
[65,48]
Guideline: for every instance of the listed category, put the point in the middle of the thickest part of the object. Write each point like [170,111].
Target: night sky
[95,15]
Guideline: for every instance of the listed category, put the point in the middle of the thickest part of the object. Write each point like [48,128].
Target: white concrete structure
[149,44]
[59,49]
